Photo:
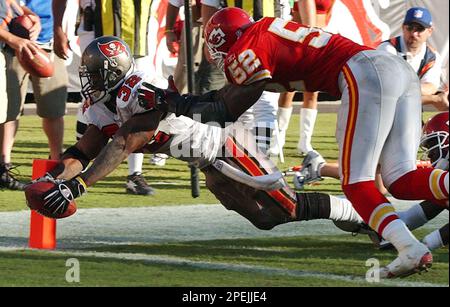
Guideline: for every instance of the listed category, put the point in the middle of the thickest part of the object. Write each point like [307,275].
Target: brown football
[34,194]
[39,65]
[20,26]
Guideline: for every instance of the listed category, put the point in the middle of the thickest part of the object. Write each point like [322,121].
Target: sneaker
[7,179]
[137,185]
[159,159]
[416,258]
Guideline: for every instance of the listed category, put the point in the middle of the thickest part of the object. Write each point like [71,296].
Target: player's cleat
[385,245]
[159,159]
[416,258]
[310,171]
[137,185]
[7,180]
[360,228]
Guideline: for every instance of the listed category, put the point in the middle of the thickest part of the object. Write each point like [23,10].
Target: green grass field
[337,260]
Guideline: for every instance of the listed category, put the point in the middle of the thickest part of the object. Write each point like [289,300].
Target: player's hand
[47,178]
[36,28]
[152,97]
[441,103]
[57,200]
[172,42]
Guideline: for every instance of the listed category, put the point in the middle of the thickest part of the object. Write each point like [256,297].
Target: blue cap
[418,15]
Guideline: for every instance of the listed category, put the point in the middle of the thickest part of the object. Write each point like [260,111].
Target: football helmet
[105,63]
[434,140]
[223,30]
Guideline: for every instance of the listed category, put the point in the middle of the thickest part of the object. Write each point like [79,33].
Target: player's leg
[14,86]
[438,238]
[51,96]
[308,115]
[398,160]
[284,203]
[420,214]
[265,113]
[367,113]
[283,117]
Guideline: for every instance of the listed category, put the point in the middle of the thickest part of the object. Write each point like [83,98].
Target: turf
[326,261]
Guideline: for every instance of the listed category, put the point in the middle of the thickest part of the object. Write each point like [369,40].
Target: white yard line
[224,266]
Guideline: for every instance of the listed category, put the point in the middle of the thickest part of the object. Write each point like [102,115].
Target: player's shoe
[413,259]
[159,159]
[360,228]
[7,179]
[137,185]
[310,171]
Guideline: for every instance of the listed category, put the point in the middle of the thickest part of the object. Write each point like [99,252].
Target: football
[39,65]
[20,26]
[34,194]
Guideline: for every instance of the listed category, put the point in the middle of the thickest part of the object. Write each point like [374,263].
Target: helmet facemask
[216,56]
[435,146]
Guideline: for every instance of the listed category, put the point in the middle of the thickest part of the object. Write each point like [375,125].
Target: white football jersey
[179,137]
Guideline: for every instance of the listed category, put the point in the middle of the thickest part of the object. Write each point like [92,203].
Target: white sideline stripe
[180,261]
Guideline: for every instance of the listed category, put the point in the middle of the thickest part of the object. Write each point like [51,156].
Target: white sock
[135,161]
[284,116]
[342,210]
[399,235]
[307,121]
[433,240]
[414,217]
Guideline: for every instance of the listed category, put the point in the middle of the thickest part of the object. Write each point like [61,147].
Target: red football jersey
[293,56]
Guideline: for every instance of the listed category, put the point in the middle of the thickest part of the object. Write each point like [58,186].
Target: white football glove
[310,171]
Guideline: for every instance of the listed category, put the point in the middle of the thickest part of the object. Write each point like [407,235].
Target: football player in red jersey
[378,121]
[242,178]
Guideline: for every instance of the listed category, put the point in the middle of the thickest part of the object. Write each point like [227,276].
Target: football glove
[153,97]
[310,171]
[57,200]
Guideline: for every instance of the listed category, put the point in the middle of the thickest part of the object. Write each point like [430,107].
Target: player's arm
[223,106]
[132,136]
[307,11]
[77,157]
[428,88]
[60,40]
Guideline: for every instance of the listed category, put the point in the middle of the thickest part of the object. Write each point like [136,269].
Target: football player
[434,144]
[378,120]
[240,176]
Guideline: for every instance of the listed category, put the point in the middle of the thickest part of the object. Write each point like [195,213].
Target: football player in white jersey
[240,176]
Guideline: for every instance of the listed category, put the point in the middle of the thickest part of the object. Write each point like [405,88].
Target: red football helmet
[434,140]
[222,31]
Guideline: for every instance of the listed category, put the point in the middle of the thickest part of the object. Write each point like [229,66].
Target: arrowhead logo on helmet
[223,30]
[216,38]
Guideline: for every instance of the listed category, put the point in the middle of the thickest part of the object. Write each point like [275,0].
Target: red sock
[421,184]
[371,205]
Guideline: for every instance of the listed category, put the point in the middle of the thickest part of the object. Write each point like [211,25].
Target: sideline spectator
[11,107]
[412,45]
